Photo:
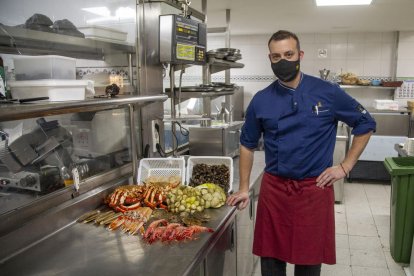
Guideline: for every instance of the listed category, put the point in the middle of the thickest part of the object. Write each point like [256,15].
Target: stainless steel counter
[83,249]
[401,110]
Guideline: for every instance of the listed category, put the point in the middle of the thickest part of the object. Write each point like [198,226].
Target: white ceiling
[302,16]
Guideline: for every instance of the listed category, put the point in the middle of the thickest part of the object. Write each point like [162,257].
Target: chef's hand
[329,176]
[240,198]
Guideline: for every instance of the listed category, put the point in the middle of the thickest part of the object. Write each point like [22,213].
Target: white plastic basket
[161,167]
[210,160]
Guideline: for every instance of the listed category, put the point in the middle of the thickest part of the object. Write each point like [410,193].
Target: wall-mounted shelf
[217,65]
[365,87]
[9,112]
[15,40]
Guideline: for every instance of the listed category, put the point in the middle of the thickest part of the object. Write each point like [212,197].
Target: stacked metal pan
[230,54]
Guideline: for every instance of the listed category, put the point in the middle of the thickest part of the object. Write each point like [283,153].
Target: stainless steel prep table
[393,126]
[82,249]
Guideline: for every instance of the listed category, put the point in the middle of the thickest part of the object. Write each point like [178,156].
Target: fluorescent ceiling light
[102,11]
[342,2]
[125,13]
[121,14]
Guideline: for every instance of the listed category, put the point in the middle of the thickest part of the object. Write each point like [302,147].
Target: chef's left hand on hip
[329,176]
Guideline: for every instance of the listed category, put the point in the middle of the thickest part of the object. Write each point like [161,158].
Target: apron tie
[292,187]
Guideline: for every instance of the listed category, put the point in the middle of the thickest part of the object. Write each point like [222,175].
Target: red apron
[295,221]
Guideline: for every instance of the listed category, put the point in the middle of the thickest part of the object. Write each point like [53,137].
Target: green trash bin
[401,170]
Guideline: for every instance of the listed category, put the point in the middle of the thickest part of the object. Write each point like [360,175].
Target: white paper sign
[322,53]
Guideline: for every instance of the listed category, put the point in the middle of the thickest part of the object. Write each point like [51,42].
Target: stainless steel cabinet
[245,229]
[339,155]
[221,260]
[222,140]
[256,192]
[392,124]
[393,127]
[246,219]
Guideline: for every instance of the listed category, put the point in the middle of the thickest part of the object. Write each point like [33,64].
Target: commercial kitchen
[120,127]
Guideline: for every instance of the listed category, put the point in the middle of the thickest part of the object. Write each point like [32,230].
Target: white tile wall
[373,37]
[372,51]
[339,38]
[373,66]
[339,50]
[355,50]
[365,54]
[405,64]
[387,51]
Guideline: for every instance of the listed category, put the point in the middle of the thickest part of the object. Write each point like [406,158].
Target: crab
[126,198]
[151,194]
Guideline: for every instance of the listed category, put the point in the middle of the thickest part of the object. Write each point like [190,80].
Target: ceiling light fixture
[124,14]
[342,2]
[102,11]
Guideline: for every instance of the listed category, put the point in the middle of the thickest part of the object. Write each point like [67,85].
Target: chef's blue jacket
[299,125]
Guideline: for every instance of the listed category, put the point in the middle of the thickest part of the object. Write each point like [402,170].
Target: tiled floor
[362,234]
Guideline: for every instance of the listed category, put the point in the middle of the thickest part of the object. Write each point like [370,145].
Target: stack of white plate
[409,146]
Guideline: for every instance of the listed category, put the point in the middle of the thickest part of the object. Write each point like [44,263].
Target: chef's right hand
[240,198]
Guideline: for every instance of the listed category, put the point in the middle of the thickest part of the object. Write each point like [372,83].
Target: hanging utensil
[324,73]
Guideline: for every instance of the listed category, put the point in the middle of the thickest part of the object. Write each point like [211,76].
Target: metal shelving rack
[213,66]
[217,65]
[9,112]
[15,40]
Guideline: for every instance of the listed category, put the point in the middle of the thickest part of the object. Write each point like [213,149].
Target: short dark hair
[282,35]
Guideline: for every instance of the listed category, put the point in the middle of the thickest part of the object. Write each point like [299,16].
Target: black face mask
[286,70]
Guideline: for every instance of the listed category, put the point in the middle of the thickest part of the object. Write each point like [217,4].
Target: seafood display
[161,230]
[164,214]
[132,222]
[126,198]
[89,216]
[217,174]
[186,199]
[213,194]
[173,212]
[151,194]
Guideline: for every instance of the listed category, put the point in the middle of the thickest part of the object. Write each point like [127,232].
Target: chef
[297,115]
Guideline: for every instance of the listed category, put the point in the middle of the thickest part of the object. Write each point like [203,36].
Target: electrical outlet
[155,134]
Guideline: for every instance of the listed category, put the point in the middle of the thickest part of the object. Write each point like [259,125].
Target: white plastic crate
[161,167]
[210,160]
[385,105]
[44,67]
[56,90]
